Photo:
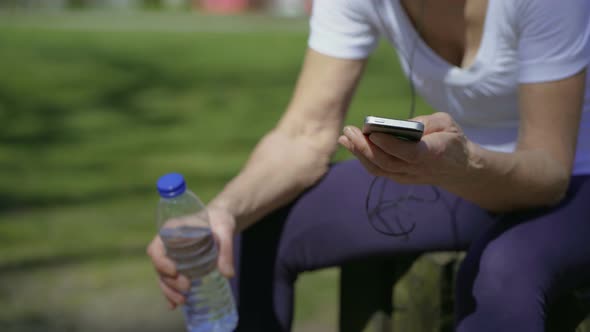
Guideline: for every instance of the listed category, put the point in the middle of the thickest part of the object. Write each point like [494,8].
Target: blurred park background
[97,100]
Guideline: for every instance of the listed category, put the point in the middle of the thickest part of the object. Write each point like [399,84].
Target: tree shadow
[11,202]
[34,126]
[41,322]
[71,258]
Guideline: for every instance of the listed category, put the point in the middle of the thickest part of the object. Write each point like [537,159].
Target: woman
[506,159]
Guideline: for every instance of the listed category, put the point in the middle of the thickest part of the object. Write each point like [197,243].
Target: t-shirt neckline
[438,61]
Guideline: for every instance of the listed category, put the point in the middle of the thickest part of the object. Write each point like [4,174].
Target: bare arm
[290,158]
[296,153]
[536,174]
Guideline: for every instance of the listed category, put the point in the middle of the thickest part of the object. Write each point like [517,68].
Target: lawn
[93,108]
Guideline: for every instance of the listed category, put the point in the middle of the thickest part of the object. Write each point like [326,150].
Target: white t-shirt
[523,41]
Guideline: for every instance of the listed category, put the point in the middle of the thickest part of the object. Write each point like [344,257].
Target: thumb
[434,122]
[225,259]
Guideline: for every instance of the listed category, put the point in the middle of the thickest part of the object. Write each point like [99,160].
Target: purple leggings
[516,264]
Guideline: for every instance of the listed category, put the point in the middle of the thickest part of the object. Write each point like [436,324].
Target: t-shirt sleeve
[554,39]
[341,28]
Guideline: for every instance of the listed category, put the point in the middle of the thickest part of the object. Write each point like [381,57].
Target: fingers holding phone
[376,160]
[433,150]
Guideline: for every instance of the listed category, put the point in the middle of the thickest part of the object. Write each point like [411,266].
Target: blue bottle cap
[171,185]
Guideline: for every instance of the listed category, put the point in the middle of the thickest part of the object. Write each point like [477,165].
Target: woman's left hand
[441,157]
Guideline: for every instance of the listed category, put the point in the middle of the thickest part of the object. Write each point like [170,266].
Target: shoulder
[522,13]
[343,28]
[351,7]
[538,5]
[551,11]
[553,37]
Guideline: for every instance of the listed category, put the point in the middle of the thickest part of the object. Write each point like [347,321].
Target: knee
[503,289]
[505,273]
[289,262]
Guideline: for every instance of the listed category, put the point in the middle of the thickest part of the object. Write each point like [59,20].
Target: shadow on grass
[33,322]
[37,323]
[71,258]
[35,116]
[47,117]
[11,202]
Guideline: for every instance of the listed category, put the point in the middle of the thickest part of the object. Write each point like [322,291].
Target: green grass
[93,108]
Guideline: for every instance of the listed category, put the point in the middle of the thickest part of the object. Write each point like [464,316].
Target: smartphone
[402,129]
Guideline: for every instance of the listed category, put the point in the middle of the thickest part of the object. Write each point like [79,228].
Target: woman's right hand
[174,284]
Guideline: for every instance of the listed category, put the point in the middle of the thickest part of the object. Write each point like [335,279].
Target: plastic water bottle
[184,227]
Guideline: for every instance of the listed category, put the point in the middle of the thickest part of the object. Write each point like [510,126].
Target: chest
[452,29]
[480,90]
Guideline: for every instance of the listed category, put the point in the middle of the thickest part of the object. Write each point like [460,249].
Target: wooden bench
[415,294]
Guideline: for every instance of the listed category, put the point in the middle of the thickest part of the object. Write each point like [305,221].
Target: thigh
[336,220]
[541,253]
[328,225]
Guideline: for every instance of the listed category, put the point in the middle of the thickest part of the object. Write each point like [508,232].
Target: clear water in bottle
[184,229]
